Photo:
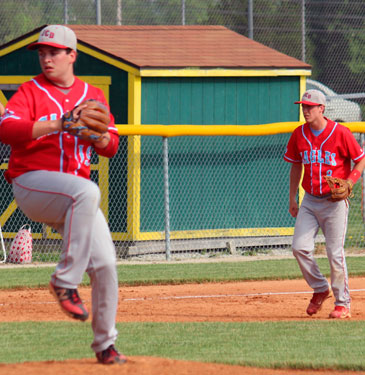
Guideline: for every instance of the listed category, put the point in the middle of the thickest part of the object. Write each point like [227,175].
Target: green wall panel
[211,178]
[20,62]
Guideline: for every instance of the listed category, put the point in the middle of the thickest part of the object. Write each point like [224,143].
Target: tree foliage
[334,30]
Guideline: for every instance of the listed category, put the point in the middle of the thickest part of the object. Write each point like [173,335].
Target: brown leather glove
[340,189]
[88,121]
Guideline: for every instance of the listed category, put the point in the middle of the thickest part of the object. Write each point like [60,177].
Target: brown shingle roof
[183,46]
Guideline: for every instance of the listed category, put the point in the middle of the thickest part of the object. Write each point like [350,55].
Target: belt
[319,196]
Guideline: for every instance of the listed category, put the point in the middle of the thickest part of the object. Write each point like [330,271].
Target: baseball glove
[340,189]
[88,121]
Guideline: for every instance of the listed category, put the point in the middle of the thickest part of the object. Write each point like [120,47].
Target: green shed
[168,75]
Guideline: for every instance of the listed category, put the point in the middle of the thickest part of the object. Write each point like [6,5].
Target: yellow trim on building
[103,171]
[99,81]
[197,72]
[107,59]
[3,99]
[14,80]
[213,233]
[302,88]
[8,212]
[134,157]
[51,234]
[22,43]
[103,165]
[35,236]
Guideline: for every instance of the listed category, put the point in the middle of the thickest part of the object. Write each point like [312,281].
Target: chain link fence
[328,34]
[197,196]
[217,199]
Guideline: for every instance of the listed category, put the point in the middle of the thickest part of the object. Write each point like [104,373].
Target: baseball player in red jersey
[323,148]
[49,171]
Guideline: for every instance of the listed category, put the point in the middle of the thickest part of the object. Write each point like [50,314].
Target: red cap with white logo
[57,36]
[313,97]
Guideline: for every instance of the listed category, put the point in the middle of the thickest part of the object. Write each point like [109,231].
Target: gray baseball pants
[70,205]
[331,217]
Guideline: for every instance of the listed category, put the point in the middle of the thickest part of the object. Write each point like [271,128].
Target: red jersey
[40,100]
[330,153]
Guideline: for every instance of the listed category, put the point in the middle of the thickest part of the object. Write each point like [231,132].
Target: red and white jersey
[40,100]
[330,153]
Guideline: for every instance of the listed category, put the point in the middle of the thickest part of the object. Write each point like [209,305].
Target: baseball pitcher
[54,123]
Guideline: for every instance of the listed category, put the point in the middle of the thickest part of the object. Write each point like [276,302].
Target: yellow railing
[221,130]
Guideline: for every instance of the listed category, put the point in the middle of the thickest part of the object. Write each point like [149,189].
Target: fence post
[98,12]
[65,11]
[166,195]
[250,19]
[183,12]
[303,31]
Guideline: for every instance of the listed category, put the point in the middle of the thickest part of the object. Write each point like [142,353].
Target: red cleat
[70,302]
[340,312]
[317,300]
[110,356]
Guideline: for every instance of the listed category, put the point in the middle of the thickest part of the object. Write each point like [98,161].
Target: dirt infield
[225,302]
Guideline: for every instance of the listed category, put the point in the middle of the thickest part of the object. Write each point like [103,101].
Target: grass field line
[207,296]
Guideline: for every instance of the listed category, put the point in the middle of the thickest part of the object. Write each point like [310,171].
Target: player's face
[56,63]
[312,113]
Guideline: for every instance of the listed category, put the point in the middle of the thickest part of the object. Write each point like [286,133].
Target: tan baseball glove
[340,189]
[88,121]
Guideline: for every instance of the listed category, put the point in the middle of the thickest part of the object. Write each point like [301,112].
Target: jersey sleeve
[112,147]
[16,125]
[291,153]
[356,153]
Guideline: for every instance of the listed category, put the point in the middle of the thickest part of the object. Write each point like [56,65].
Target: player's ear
[72,53]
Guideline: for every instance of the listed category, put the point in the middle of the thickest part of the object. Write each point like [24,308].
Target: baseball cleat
[70,302]
[317,300]
[110,356]
[340,312]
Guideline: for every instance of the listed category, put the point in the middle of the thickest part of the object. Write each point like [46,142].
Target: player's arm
[356,153]
[295,176]
[18,125]
[41,128]
[2,109]
[108,145]
[356,172]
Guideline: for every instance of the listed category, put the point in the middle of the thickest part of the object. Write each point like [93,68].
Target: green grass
[307,344]
[300,345]
[177,273]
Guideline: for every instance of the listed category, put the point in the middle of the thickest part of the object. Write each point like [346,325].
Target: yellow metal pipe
[221,130]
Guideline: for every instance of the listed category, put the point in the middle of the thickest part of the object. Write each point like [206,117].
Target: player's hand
[2,110]
[293,208]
